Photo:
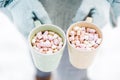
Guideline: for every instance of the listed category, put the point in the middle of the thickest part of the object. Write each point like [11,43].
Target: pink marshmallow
[50,37]
[39,35]
[92,30]
[76,37]
[83,29]
[45,49]
[59,47]
[98,41]
[72,33]
[45,37]
[54,47]
[71,38]
[48,42]
[45,33]
[56,42]
[59,39]
[86,38]
[55,36]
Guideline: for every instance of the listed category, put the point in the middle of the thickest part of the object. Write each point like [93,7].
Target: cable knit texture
[2,3]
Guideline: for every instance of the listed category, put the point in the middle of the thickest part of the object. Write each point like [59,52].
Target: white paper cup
[46,62]
[80,58]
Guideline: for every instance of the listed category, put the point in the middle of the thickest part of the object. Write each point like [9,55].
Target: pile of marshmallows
[47,42]
[84,38]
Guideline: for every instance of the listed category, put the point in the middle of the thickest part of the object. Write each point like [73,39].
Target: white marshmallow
[76,28]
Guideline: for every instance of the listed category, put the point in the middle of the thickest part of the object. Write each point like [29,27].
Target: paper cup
[46,62]
[80,58]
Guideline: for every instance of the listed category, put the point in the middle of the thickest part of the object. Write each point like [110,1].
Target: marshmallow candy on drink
[47,42]
[84,38]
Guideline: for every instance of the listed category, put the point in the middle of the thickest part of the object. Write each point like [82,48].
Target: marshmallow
[51,33]
[85,38]
[55,36]
[39,35]
[92,30]
[91,37]
[76,37]
[76,28]
[59,47]
[73,45]
[54,47]
[45,33]
[45,37]
[96,45]
[77,42]
[47,42]
[61,43]
[88,30]
[82,45]
[72,33]
[33,41]
[78,32]
[73,42]
[41,50]
[98,41]
[71,38]
[38,45]
[56,42]
[50,37]
[83,29]
[45,49]
[60,39]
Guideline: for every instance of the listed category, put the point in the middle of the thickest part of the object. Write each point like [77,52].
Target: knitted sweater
[61,12]
[3,3]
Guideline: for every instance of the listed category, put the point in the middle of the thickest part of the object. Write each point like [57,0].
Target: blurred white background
[15,61]
[16,64]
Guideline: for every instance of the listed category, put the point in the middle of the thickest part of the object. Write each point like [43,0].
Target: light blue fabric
[115,10]
[112,1]
[66,71]
[95,8]
[117,1]
[23,12]
[2,3]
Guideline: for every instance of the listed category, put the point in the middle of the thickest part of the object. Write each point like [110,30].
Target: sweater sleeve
[4,3]
[117,1]
[113,1]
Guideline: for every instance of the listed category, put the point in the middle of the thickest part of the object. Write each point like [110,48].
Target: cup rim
[64,39]
[83,50]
